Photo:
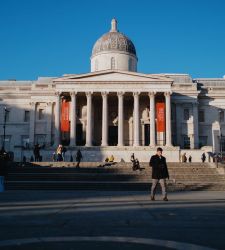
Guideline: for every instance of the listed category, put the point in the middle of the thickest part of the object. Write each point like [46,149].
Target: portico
[112,112]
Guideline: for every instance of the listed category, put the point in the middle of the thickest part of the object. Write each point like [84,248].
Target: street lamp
[4,126]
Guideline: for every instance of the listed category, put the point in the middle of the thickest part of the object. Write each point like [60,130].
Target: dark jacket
[159,167]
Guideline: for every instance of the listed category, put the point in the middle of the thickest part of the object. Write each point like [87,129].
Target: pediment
[114,76]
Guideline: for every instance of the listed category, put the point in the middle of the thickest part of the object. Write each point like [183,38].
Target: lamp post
[4,126]
[221,137]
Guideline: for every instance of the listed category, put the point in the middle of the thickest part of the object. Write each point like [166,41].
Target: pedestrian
[159,173]
[190,159]
[64,153]
[184,157]
[36,152]
[78,158]
[132,159]
[203,157]
[59,153]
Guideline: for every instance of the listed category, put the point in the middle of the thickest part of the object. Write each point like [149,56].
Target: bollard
[2,188]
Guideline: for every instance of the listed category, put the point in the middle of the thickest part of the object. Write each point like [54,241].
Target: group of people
[184,158]
[60,154]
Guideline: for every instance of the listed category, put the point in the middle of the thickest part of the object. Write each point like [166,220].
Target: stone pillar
[136,120]
[104,119]
[152,118]
[73,122]
[168,118]
[57,119]
[32,123]
[195,124]
[120,118]
[89,120]
[49,124]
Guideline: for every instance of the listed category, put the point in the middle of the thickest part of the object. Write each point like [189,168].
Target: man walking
[159,173]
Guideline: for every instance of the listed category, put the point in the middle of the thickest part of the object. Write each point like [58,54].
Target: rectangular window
[186,114]
[7,142]
[186,142]
[40,139]
[201,116]
[26,116]
[203,141]
[25,141]
[221,116]
[41,114]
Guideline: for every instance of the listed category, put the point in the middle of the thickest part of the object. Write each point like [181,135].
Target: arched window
[113,63]
[96,65]
[130,66]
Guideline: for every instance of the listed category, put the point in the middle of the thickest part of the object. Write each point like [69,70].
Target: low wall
[99,154]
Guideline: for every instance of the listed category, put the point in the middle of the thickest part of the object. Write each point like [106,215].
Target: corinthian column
[120,118]
[152,118]
[136,119]
[49,124]
[57,119]
[168,118]
[104,119]
[89,120]
[32,123]
[73,109]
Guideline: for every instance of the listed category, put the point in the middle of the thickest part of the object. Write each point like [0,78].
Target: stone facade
[113,111]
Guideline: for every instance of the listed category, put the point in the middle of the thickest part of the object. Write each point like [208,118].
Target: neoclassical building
[114,109]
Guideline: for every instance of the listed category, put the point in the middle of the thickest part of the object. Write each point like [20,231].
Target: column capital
[168,93]
[49,103]
[73,93]
[89,93]
[120,93]
[33,104]
[104,93]
[151,94]
[136,93]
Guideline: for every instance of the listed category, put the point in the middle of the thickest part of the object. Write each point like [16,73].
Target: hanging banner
[160,115]
[65,118]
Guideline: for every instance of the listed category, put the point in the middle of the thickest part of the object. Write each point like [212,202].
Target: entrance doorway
[147,134]
[113,135]
[79,133]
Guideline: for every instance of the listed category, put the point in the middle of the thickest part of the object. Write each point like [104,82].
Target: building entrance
[113,135]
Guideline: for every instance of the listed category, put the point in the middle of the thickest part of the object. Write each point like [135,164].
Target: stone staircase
[118,176]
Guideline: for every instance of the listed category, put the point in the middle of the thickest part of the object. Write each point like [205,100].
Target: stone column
[89,120]
[195,124]
[73,108]
[152,118]
[32,123]
[168,119]
[49,124]
[57,119]
[136,120]
[120,118]
[104,119]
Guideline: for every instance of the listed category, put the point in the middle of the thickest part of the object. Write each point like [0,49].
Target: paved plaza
[111,220]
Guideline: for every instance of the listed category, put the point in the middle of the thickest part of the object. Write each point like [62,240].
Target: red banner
[160,115]
[65,117]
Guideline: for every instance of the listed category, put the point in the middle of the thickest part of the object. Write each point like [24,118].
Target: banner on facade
[65,118]
[160,115]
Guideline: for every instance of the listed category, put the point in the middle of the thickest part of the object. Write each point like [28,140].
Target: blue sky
[55,37]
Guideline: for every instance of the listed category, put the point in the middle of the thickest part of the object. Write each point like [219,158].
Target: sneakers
[165,199]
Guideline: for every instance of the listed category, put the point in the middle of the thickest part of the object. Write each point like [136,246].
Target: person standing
[36,152]
[203,158]
[190,159]
[78,158]
[159,173]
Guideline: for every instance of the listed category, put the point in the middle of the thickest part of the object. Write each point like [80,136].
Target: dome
[114,51]
[114,41]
